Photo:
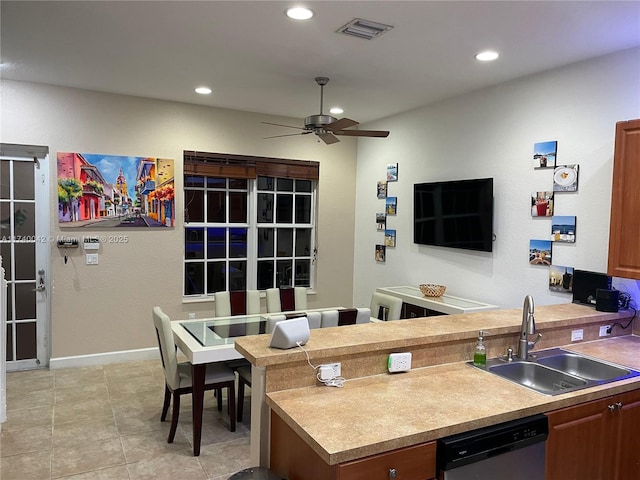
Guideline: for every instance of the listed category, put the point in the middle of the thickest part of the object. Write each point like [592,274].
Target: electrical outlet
[329,371]
[604,330]
[399,362]
[577,335]
[192,316]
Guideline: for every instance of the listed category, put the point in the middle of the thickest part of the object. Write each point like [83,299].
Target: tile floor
[103,423]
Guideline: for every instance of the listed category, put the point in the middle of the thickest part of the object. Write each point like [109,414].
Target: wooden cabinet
[595,440]
[416,311]
[624,231]
[292,458]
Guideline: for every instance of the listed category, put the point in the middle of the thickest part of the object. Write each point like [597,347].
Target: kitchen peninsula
[376,412]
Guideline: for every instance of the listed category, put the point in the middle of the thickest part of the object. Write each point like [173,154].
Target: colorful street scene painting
[108,191]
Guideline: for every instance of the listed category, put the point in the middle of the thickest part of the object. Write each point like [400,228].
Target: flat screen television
[454,214]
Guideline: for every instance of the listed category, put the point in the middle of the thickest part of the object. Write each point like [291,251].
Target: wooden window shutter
[241,166]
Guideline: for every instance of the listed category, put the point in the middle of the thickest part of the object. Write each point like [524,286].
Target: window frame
[228,167]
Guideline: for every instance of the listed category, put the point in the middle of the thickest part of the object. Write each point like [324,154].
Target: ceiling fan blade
[363,133]
[340,124]
[287,135]
[280,125]
[328,138]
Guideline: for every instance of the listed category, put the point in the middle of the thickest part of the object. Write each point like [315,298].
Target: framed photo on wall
[392,172]
[544,154]
[563,229]
[381,252]
[381,221]
[565,178]
[540,252]
[390,238]
[541,204]
[391,205]
[382,189]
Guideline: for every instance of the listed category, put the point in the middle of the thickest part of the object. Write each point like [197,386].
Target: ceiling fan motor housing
[318,121]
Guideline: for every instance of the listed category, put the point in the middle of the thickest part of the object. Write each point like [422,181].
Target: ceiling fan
[327,127]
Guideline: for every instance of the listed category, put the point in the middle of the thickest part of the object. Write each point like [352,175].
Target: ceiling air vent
[364,29]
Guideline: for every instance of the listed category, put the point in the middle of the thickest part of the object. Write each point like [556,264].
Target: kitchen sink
[538,377]
[583,367]
[555,371]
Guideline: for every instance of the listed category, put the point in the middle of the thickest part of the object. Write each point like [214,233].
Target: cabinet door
[578,442]
[628,439]
[411,463]
[624,256]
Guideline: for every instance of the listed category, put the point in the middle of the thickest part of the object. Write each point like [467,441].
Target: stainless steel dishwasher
[512,450]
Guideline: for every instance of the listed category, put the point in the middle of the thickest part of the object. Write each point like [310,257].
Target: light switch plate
[92,258]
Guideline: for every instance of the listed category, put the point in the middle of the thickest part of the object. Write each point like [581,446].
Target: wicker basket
[431,290]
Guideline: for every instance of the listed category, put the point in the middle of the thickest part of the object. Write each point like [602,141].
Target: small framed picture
[561,279]
[541,204]
[565,178]
[544,154]
[563,229]
[540,252]
[381,221]
[390,238]
[381,252]
[391,205]
[392,172]
[382,189]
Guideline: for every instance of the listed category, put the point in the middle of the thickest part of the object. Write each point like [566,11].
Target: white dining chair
[238,302]
[286,299]
[178,380]
[385,307]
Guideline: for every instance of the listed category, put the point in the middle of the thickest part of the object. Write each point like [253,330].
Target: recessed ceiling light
[336,110]
[299,13]
[203,90]
[487,56]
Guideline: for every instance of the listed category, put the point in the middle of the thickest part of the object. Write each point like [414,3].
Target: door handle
[41,286]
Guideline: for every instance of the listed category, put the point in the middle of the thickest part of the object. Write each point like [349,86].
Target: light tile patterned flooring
[103,423]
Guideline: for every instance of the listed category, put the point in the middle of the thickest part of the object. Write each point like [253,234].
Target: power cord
[332,382]
[635,312]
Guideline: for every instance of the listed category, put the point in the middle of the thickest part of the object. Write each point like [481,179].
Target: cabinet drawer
[411,463]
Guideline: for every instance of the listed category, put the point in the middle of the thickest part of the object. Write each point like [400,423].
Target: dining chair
[314,319]
[237,302]
[385,307]
[244,378]
[286,299]
[178,380]
[345,316]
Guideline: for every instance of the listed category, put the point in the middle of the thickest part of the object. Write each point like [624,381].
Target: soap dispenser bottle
[480,355]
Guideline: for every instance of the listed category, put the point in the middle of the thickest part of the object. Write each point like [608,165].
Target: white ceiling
[258,60]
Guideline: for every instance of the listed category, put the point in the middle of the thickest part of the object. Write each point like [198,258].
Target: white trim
[105,358]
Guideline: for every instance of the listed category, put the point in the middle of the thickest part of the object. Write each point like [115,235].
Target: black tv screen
[455,214]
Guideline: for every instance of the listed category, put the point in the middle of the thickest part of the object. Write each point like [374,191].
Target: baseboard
[104,358]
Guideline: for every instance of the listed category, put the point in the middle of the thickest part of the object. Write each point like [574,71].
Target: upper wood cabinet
[624,232]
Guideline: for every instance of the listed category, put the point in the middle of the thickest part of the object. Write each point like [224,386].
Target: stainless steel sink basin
[538,377]
[583,367]
[555,371]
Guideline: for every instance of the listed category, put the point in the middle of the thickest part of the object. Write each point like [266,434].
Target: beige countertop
[355,339]
[383,412]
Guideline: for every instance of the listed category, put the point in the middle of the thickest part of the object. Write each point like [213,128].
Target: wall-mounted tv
[455,214]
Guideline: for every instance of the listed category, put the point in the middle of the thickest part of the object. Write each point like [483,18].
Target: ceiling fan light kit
[326,127]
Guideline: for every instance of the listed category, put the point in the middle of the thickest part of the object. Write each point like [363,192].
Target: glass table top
[222,331]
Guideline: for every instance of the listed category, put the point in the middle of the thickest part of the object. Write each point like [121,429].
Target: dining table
[209,340]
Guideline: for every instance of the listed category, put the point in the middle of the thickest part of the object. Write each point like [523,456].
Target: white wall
[107,308]
[491,133]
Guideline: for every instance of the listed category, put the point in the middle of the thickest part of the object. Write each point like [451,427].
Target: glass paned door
[24,243]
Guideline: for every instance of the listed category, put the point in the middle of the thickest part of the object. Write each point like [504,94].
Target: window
[249,223]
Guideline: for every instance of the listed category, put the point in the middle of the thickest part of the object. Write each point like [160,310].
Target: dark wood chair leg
[174,417]
[167,401]
[219,398]
[240,399]
[231,400]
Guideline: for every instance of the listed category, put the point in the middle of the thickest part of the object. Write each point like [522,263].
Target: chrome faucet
[528,328]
